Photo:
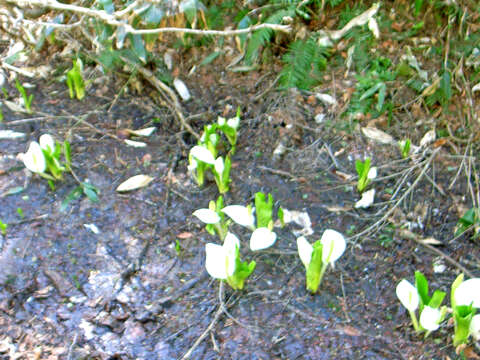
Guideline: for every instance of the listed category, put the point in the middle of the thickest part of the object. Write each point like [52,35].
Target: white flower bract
[262,238]
[34,159]
[305,250]
[234,122]
[372,173]
[408,295]
[203,154]
[242,215]
[333,246]
[366,200]
[219,166]
[475,327]
[468,292]
[220,260]
[430,318]
[207,216]
[47,143]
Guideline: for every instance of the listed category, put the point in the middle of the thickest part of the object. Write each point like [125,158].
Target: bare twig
[210,327]
[112,19]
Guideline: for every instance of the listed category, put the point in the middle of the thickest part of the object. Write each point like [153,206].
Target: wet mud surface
[127,292]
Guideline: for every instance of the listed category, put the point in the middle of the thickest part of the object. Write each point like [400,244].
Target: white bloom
[367,199]
[34,159]
[372,173]
[203,154]
[373,26]
[408,295]
[305,251]
[207,216]
[430,318]
[47,143]
[242,215]
[219,166]
[468,292]
[221,121]
[333,246]
[475,327]
[220,260]
[234,122]
[193,164]
[262,238]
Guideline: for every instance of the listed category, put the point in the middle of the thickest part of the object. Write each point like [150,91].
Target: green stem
[322,272]
[414,321]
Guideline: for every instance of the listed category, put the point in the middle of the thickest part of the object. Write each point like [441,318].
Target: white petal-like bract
[219,166]
[305,250]
[468,292]
[182,89]
[216,261]
[333,246]
[207,216]
[475,327]
[231,244]
[262,238]
[372,173]
[367,199]
[430,318]
[408,295]
[34,159]
[47,143]
[203,154]
[242,215]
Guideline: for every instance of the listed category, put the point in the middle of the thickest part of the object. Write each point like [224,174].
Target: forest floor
[137,288]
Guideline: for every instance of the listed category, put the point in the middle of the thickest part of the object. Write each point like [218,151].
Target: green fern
[262,37]
[304,62]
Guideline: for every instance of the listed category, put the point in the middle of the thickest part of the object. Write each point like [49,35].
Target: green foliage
[264,209]
[262,37]
[371,90]
[27,100]
[304,63]
[75,83]
[363,168]
[469,221]
[89,190]
[3,228]
[405,148]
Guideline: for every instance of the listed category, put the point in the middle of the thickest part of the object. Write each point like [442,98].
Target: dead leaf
[142,132]
[428,138]
[185,235]
[135,182]
[344,176]
[337,209]
[430,241]
[377,135]
[440,142]
[351,331]
[470,353]
[137,144]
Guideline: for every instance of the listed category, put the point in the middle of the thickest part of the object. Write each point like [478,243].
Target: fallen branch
[112,19]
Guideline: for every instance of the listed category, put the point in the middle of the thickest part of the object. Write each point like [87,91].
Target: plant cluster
[366,173]
[223,262]
[464,299]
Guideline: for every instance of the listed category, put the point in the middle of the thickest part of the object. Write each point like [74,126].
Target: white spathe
[47,142]
[34,159]
[475,327]
[207,216]
[220,259]
[408,295]
[234,122]
[203,154]
[372,173]
[367,199]
[242,215]
[333,246]
[468,292]
[430,318]
[262,238]
[305,250]
[219,166]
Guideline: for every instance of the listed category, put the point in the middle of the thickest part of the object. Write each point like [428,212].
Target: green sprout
[365,174]
[3,228]
[75,83]
[27,100]
[404,148]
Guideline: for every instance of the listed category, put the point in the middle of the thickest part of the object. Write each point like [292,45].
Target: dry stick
[111,19]
[210,327]
[161,87]
[79,119]
[403,197]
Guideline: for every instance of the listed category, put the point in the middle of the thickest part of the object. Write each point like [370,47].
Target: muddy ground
[129,293]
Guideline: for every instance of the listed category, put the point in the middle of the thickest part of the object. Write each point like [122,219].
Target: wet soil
[127,292]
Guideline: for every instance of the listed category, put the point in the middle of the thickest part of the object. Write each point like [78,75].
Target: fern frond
[304,62]
[262,37]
